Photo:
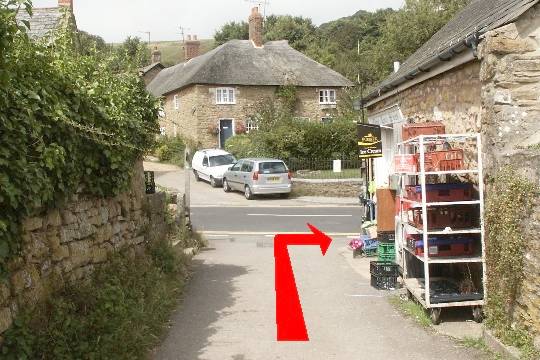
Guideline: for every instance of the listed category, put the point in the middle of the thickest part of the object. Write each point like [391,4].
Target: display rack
[419,287]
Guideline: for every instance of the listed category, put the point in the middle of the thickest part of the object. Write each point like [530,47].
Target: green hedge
[171,150]
[67,123]
[289,139]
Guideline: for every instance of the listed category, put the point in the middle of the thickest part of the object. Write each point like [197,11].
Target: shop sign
[369,141]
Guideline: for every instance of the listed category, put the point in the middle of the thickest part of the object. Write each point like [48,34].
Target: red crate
[441,192]
[455,217]
[445,160]
[427,128]
[446,249]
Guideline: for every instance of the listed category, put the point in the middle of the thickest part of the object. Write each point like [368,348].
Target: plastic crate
[386,237]
[386,248]
[446,247]
[454,217]
[441,192]
[383,268]
[445,160]
[384,282]
[427,128]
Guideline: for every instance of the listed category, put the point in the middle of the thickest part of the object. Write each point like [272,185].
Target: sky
[114,20]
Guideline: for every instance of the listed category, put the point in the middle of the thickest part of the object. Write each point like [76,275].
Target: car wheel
[284,196]
[197,178]
[226,186]
[213,182]
[247,193]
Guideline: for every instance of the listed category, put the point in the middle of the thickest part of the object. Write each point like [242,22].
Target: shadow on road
[208,294]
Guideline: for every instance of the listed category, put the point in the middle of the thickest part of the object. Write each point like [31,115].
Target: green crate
[387,258]
[386,248]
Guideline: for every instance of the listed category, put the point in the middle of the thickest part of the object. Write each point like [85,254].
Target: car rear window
[222,160]
[272,167]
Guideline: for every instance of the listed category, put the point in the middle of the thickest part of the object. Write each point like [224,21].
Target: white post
[425,236]
[337,166]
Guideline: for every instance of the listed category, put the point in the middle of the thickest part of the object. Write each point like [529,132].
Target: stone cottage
[209,97]
[44,21]
[480,73]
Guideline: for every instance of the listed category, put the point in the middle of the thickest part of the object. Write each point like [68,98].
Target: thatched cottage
[210,96]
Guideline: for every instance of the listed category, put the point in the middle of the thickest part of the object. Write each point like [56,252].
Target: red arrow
[289,316]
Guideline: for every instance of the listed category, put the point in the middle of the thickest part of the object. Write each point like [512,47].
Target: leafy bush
[171,149]
[118,314]
[67,122]
[298,140]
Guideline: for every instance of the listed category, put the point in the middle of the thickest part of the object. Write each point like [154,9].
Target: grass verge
[328,190]
[411,309]
[119,313]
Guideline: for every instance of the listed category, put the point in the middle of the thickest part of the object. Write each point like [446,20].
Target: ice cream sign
[369,141]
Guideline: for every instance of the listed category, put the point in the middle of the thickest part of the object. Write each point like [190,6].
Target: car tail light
[256,175]
[289,174]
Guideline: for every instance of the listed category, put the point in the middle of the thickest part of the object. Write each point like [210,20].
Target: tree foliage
[68,124]
[363,46]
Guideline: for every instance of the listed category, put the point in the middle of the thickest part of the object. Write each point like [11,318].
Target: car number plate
[274,179]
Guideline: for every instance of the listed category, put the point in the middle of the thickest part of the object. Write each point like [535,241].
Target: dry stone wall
[510,76]
[66,244]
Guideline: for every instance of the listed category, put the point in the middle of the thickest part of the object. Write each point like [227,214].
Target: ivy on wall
[508,206]
[67,124]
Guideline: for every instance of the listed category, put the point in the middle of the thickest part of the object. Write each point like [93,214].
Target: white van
[211,164]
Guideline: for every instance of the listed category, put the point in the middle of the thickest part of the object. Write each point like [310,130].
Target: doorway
[225,131]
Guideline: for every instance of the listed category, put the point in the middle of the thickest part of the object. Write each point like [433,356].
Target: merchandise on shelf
[444,160]
[440,192]
[454,217]
[445,247]
[427,128]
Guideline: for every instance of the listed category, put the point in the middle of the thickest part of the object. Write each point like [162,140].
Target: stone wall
[198,109]
[510,76]
[67,243]
[452,97]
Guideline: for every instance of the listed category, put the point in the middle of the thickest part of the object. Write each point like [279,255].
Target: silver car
[257,177]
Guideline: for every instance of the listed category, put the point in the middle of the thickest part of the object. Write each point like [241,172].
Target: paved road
[229,310]
[202,194]
[229,307]
[277,219]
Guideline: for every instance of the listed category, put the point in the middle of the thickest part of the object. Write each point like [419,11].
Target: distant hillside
[172,52]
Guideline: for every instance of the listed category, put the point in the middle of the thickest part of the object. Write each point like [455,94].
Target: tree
[231,31]
[89,43]
[132,54]
[299,31]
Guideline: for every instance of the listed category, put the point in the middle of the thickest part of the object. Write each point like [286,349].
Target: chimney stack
[256,27]
[66,3]
[191,47]
[156,55]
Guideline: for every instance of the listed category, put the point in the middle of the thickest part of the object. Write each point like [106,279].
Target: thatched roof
[238,62]
[477,18]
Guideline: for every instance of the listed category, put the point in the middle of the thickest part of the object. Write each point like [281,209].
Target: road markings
[265,233]
[366,296]
[302,215]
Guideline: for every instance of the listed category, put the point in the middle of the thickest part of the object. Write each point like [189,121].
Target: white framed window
[225,96]
[327,97]
[251,125]
[176,102]
[327,119]
[163,131]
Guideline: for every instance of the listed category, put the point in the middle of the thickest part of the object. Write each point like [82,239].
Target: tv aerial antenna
[183,33]
[148,34]
[260,3]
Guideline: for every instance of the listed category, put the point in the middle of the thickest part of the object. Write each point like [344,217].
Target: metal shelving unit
[419,288]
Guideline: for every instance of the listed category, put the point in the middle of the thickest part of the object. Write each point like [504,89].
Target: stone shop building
[210,97]
[479,74]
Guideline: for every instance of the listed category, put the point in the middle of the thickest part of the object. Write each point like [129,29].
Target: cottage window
[251,125]
[327,97]
[176,102]
[225,96]
[162,131]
